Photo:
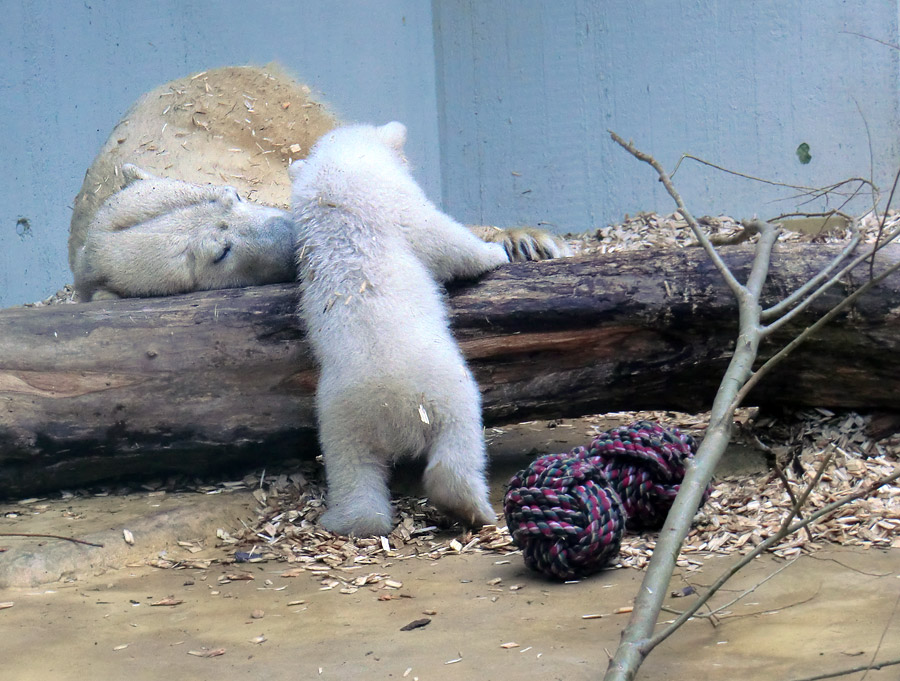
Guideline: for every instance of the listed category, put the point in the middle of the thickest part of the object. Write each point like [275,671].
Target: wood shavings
[644,231]
[743,511]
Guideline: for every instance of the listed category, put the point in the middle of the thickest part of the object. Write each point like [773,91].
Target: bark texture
[201,381]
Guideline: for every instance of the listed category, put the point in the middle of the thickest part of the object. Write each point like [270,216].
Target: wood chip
[168,601]
[207,653]
[416,624]
[511,644]
[624,610]
[6,604]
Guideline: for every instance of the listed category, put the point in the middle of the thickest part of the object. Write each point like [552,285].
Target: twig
[874,40]
[798,504]
[781,307]
[715,612]
[772,610]
[49,536]
[699,234]
[769,313]
[815,191]
[851,568]
[881,224]
[845,672]
[780,534]
[769,364]
[883,634]
[871,153]
[765,546]
[787,487]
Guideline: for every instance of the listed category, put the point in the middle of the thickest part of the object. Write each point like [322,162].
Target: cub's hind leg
[358,500]
[455,475]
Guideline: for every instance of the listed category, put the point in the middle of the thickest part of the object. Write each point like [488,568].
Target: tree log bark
[196,382]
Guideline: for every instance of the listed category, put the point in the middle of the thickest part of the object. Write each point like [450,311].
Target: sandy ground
[84,612]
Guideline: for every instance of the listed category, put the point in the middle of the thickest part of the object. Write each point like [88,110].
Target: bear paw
[362,523]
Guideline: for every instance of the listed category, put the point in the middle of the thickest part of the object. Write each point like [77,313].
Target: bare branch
[883,634]
[853,670]
[818,324]
[817,192]
[745,593]
[881,224]
[761,548]
[874,40]
[699,234]
[638,639]
[790,492]
[759,271]
[784,305]
[778,536]
[49,536]
[771,328]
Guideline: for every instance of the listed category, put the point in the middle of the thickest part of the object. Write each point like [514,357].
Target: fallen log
[197,382]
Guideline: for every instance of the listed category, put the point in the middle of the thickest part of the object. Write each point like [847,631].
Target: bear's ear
[394,135]
[228,196]
[295,168]
[132,173]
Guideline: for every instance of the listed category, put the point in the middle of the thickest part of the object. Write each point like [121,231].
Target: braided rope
[564,516]
[568,512]
[645,464]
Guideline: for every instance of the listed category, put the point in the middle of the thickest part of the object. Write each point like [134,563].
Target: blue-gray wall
[508,102]
[528,90]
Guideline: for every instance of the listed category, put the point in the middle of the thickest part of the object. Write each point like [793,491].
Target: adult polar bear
[158,228]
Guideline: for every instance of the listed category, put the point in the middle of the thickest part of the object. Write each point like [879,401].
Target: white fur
[393,381]
[159,236]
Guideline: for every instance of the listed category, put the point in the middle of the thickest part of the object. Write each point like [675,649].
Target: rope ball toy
[563,514]
[645,464]
[568,512]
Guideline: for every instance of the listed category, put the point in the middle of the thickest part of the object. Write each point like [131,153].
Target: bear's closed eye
[224,254]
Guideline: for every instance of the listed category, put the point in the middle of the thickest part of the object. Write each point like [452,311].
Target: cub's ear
[295,168]
[394,135]
[132,173]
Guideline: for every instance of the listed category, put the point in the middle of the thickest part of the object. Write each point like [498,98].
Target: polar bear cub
[371,249]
